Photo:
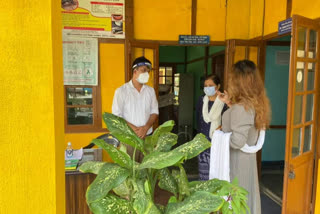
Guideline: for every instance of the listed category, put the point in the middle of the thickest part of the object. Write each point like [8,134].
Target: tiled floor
[271,188]
[268,206]
[273,180]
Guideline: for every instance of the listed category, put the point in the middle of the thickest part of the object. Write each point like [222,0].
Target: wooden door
[302,107]
[217,67]
[236,50]
[150,51]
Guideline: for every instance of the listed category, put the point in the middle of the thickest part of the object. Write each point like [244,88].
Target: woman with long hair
[248,113]
[209,111]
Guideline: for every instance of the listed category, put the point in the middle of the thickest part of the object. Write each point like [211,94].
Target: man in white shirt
[136,102]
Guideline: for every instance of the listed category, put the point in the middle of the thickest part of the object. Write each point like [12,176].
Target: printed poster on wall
[93,18]
[80,61]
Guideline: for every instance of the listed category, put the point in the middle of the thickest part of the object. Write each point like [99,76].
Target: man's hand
[142,131]
[133,127]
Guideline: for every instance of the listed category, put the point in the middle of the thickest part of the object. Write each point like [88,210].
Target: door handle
[292,175]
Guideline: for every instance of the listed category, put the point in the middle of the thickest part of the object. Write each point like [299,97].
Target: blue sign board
[194,40]
[285,26]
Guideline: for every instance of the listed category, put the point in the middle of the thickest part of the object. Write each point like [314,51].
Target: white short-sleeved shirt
[134,106]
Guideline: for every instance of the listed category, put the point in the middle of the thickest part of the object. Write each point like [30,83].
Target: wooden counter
[76,187]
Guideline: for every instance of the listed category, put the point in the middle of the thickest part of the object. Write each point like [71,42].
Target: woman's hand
[224,97]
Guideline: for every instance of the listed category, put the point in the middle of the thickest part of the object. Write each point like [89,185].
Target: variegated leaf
[112,205]
[91,167]
[212,186]
[122,190]
[143,203]
[120,129]
[109,177]
[148,147]
[193,148]
[198,203]
[119,157]
[167,181]
[163,128]
[183,182]
[166,141]
[159,160]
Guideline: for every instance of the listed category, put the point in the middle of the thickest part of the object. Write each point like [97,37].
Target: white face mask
[143,78]
[210,91]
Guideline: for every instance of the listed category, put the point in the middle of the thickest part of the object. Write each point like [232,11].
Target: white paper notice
[77,154]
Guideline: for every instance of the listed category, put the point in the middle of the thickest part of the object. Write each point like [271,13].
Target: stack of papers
[72,162]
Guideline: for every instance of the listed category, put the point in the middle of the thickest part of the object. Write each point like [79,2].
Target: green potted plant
[126,186]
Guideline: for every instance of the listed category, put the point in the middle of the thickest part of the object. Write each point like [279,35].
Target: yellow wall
[317,209]
[211,19]
[32,162]
[256,18]
[161,19]
[307,8]
[273,16]
[238,19]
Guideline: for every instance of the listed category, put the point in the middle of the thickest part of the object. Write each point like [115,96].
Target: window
[82,109]
[176,88]
[166,76]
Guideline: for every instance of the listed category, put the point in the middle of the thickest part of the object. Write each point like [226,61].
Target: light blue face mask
[210,91]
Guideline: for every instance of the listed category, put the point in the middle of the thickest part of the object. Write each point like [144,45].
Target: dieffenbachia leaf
[198,203]
[120,129]
[167,181]
[143,203]
[112,205]
[166,141]
[183,182]
[91,167]
[110,176]
[212,186]
[122,190]
[159,160]
[165,127]
[148,147]
[193,148]
[119,157]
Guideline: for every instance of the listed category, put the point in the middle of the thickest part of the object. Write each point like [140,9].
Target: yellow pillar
[31,110]
[317,208]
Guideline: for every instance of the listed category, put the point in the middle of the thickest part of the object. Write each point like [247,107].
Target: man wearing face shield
[136,102]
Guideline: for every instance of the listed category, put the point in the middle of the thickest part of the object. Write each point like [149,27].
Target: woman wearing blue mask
[209,112]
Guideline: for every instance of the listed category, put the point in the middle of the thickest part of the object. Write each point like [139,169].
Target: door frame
[128,60]
[293,60]
[230,51]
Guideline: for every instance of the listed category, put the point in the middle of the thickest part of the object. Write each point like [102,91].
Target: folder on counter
[71,164]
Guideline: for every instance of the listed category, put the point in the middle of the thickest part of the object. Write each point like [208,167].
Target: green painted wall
[216,49]
[195,52]
[173,54]
[176,54]
[197,69]
[285,38]
[276,82]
